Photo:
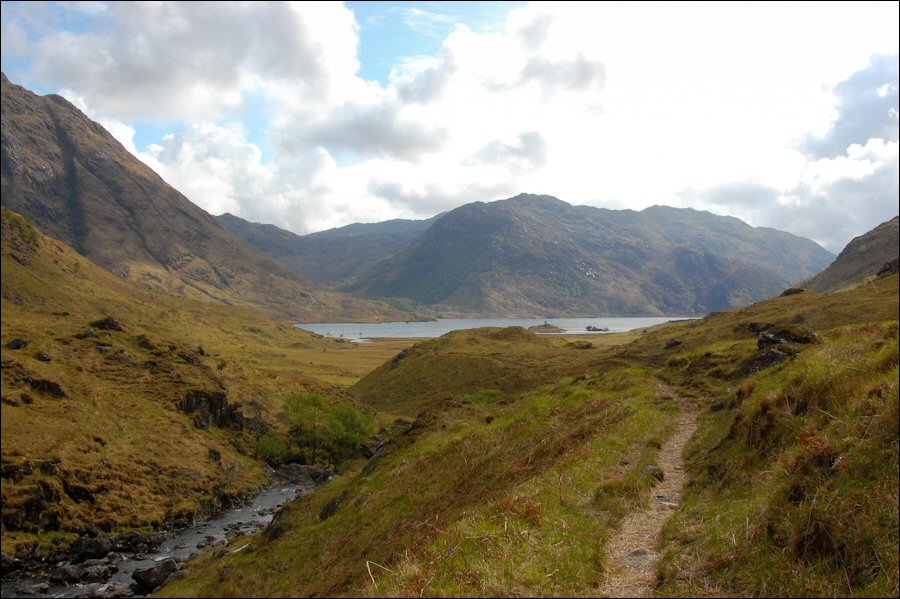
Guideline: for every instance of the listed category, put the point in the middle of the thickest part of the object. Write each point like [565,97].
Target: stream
[202,536]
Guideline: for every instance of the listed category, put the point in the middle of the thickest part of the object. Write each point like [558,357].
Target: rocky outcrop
[150,579]
[331,508]
[212,408]
[46,387]
[107,324]
[303,474]
[787,334]
[889,268]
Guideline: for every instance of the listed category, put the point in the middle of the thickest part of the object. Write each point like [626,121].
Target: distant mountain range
[81,186]
[539,256]
[525,256]
[329,257]
[864,256]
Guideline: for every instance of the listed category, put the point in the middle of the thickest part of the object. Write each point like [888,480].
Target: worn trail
[633,549]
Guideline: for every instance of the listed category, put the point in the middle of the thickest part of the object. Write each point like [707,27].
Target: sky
[316,115]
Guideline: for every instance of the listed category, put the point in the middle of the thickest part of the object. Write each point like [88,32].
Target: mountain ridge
[864,256]
[332,256]
[539,256]
[81,186]
[529,256]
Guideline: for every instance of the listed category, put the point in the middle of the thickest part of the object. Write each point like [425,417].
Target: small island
[546,328]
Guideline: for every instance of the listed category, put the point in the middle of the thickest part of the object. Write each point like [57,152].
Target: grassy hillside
[795,472]
[501,494]
[524,454]
[92,432]
[510,360]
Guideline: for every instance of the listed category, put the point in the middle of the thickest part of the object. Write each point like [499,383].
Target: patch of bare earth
[633,550]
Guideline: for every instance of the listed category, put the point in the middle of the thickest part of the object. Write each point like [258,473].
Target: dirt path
[633,548]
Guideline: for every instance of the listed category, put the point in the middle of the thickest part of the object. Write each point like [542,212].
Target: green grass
[795,480]
[516,504]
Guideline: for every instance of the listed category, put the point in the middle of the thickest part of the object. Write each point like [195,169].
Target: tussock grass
[519,505]
[795,481]
[124,456]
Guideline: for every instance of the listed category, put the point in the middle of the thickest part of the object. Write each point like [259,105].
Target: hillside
[79,185]
[124,407]
[864,256]
[499,486]
[333,256]
[538,256]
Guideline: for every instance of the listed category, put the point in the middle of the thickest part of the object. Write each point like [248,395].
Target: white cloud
[610,104]
[174,61]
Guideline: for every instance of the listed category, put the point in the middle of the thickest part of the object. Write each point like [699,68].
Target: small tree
[321,429]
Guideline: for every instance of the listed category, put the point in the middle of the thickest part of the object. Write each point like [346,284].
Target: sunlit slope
[138,426]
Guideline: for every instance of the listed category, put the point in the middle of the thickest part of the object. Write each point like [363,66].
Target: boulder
[67,574]
[672,343]
[96,573]
[87,547]
[301,474]
[17,344]
[149,579]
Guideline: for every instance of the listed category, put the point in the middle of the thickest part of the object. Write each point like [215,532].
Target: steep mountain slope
[864,256]
[329,257]
[140,420]
[539,256]
[81,186]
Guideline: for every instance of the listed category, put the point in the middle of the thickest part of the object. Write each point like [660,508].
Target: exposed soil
[633,549]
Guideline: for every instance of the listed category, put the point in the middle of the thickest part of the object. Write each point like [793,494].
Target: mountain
[329,257]
[79,185]
[864,256]
[539,256]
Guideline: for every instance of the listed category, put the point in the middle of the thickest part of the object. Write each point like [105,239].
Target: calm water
[361,332]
